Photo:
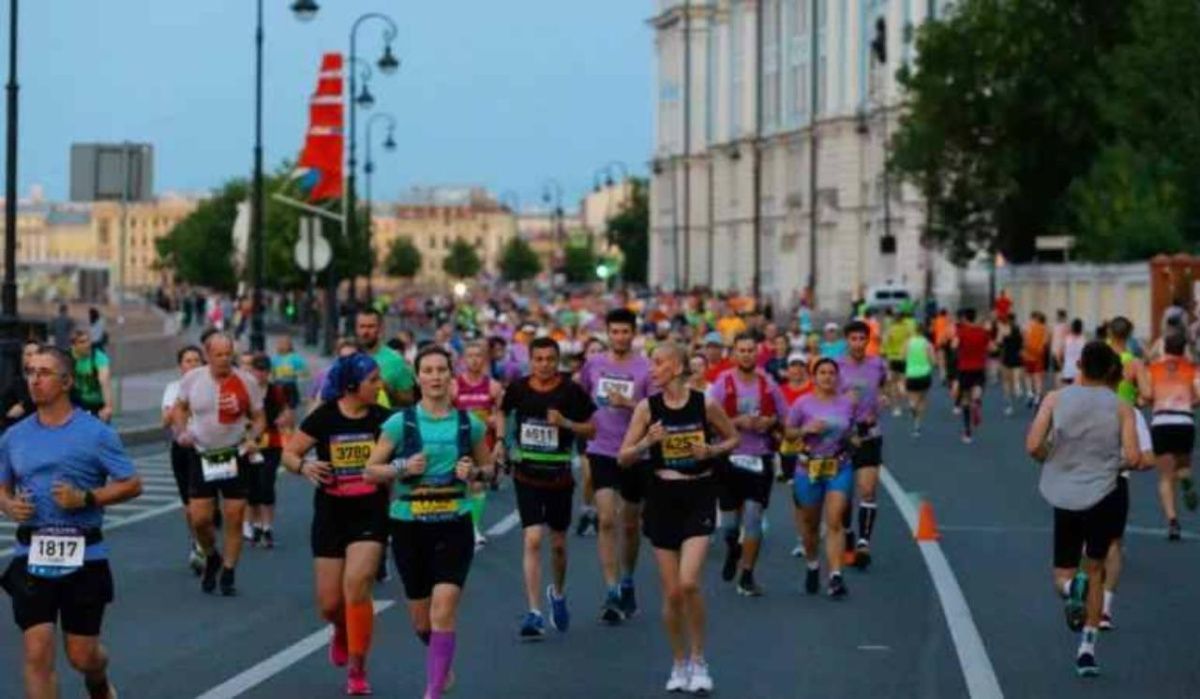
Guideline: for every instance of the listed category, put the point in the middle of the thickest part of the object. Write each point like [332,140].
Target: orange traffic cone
[926,526]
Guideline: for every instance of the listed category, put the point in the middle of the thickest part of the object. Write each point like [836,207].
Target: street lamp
[552,191]
[389,144]
[364,98]
[387,64]
[304,11]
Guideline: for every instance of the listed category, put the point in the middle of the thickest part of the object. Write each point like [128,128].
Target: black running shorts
[77,601]
[432,553]
[1090,531]
[544,506]
[236,488]
[629,482]
[338,522]
[736,486]
[1173,439]
[679,510]
[868,453]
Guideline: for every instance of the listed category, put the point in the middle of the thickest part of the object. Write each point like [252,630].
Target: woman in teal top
[432,452]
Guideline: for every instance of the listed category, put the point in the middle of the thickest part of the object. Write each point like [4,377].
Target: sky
[502,94]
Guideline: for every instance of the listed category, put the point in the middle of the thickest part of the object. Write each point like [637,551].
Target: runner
[259,527]
[288,368]
[397,376]
[1070,351]
[589,520]
[59,469]
[93,378]
[920,359]
[182,457]
[796,384]
[970,345]
[350,519]
[476,391]
[1171,386]
[755,405]
[832,344]
[825,421]
[684,433]
[1037,342]
[616,381]
[863,376]
[549,412]
[1083,435]
[895,350]
[211,413]
[1008,338]
[438,451]
[1058,338]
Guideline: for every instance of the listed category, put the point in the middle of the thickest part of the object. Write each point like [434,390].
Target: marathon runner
[182,457]
[397,376]
[432,452]
[684,433]
[589,520]
[350,516]
[796,383]
[825,421]
[920,359]
[59,469]
[259,527]
[1083,435]
[1008,338]
[864,377]
[476,391]
[215,404]
[755,406]
[1171,386]
[970,344]
[288,368]
[895,350]
[548,413]
[1035,354]
[616,380]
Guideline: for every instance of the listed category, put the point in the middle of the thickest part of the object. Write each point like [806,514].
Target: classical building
[602,204]
[748,92]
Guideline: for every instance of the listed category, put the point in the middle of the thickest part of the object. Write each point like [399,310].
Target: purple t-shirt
[748,394]
[600,375]
[864,380]
[839,415]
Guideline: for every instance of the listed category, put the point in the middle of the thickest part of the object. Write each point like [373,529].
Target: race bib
[539,436]
[789,447]
[750,464]
[607,385]
[680,446]
[822,468]
[348,454]
[56,552]
[219,465]
[434,510]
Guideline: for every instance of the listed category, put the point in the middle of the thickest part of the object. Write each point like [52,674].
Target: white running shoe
[247,531]
[700,682]
[480,541]
[678,681]
[798,552]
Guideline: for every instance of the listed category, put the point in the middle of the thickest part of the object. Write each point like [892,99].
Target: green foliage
[579,261]
[403,259]
[518,261]
[462,262]
[629,230]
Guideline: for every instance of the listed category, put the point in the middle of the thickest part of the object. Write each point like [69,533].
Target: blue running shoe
[1075,602]
[560,618]
[533,627]
[611,613]
[629,605]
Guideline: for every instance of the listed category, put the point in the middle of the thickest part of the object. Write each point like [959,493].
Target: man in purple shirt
[756,406]
[864,377]
[616,380]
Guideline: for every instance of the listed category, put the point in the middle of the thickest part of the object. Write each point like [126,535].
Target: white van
[889,295]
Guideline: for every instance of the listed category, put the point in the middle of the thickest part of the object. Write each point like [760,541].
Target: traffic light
[879,43]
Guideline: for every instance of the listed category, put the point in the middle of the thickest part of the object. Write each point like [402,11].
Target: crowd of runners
[675,418]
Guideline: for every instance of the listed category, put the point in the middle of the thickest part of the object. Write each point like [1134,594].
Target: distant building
[542,231]
[599,206]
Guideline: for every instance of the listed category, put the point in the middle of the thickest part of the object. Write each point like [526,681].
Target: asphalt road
[890,638]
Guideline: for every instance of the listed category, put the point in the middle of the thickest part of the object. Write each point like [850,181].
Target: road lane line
[256,675]
[976,666]
[504,526]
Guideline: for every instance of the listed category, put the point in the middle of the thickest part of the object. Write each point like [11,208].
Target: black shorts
[629,482]
[1087,531]
[897,366]
[950,357]
[868,453]
[918,384]
[432,553]
[236,488]
[77,601]
[544,506]
[968,380]
[679,510]
[1173,439]
[736,486]
[338,522]
[261,479]
[181,468]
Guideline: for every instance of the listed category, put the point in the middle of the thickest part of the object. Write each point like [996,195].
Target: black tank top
[685,427]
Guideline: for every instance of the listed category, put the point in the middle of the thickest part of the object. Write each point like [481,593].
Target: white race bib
[607,385]
[60,552]
[540,437]
[752,464]
[218,469]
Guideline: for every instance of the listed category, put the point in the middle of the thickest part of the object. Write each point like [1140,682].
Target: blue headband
[347,372]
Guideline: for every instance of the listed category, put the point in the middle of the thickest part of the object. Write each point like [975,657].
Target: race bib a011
[539,436]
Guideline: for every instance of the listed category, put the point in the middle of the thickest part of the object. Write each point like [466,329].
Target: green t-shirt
[1127,390]
[87,377]
[439,444]
[916,364]
[393,369]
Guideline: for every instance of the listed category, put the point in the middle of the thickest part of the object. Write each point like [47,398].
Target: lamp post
[387,64]
[304,10]
[389,145]
[552,192]
[9,294]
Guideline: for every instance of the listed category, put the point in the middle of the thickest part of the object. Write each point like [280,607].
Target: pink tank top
[475,398]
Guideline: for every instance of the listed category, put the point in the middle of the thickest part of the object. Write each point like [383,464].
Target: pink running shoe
[356,683]
[339,655]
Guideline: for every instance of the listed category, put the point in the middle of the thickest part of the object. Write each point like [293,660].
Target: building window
[102,231]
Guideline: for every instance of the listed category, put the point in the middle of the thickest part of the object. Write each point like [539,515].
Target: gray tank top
[1085,451]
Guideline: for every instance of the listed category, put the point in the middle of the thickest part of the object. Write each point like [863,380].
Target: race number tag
[750,464]
[219,465]
[607,385]
[539,436]
[348,454]
[434,510]
[822,468]
[54,553]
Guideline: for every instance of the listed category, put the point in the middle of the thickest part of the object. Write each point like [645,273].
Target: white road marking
[504,526]
[976,666]
[1159,532]
[265,670]
[875,648]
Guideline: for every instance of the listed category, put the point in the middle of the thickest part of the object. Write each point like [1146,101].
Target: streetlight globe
[388,63]
[305,10]
[365,99]
[390,143]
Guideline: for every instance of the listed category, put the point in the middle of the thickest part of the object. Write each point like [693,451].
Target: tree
[518,261]
[462,262]
[629,230]
[403,259]
[579,261]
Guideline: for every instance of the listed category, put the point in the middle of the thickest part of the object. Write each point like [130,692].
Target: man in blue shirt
[58,469]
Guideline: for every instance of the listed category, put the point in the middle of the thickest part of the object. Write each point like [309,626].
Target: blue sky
[503,94]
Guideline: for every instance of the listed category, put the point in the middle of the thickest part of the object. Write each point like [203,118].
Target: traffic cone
[926,525]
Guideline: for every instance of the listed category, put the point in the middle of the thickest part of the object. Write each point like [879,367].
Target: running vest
[685,428]
[1127,390]
[766,406]
[476,398]
[428,498]
[916,358]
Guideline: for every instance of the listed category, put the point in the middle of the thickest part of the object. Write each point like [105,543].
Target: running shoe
[746,587]
[533,627]
[629,605]
[1085,665]
[611,612]
[228,589]
[560,617]
[339,653]
[837,587]
[212,566]
[256,536]
[897,412]
[966,438]
[699,681]
[268,539]
[1106,622]
[356,683]
[1190,497]
[1074,604]
[798,551]
[247,532]
[812,580]
[1174,532]
[196,560]
[733,554]
[480,541]
[862,555]
[680,677]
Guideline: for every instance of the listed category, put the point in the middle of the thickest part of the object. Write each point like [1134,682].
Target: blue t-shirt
[835,349]
[83,452]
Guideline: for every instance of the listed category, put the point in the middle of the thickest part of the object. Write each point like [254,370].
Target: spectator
[97,329]
[61,327]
